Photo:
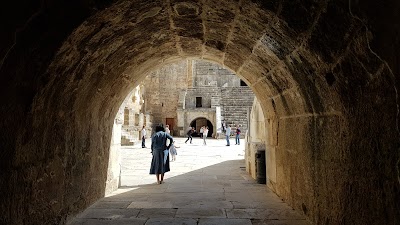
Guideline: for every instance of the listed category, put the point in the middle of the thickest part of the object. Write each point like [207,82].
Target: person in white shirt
[201,132]
[228,134]
[143,136]
[205,133]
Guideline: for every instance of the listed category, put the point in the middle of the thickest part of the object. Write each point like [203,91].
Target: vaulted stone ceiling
[325,73]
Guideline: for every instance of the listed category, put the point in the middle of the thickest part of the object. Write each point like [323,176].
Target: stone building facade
[197,93]
[132,116]
[126,130]
[163,88]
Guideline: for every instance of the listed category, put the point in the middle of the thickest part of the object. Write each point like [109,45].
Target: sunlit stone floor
[206,185]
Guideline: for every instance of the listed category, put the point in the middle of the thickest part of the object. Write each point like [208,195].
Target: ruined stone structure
[188,93]
[161,98]
[255,141]
[126,130]
[326,75]
[133,115]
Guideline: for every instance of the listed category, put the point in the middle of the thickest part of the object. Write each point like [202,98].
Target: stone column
[218,122]
[256,138]
[180,123]
[114,162]
[141,120]
[131,118]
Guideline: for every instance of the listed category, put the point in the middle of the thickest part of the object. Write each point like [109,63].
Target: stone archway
[201,121]
[330,102]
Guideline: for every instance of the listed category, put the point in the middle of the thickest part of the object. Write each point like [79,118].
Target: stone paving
[206,185]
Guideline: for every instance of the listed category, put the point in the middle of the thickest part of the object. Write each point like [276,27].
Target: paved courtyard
[206,185]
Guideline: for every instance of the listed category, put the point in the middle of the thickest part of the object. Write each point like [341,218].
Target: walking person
[228,134]
[159,149]
[189,135]
[201,131]
[143,133]
[205,133]
[237,139]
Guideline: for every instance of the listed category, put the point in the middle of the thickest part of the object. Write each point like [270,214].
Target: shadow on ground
[220,194]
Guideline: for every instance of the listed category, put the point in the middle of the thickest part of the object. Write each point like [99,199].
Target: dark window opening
[199,102]
[242,83]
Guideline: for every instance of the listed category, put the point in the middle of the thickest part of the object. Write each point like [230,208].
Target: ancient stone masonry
[236,105]
[126,130]
[133,115]
[192,90]
[325,74]
[163,88]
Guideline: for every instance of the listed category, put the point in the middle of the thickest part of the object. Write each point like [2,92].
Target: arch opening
[313,81]
[111,69]
[200,122]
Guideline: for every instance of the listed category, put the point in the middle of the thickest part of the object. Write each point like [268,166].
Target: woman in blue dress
[159,149]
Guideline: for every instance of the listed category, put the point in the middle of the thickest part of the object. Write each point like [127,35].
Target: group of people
[203,134]
[228,131]
[161,151]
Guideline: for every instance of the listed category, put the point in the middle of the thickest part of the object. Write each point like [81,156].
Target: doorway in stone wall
[199,122]
[171,123]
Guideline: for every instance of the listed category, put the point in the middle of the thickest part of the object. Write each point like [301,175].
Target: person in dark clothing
[189,135]
[144,136]
[159,149]
[237,135]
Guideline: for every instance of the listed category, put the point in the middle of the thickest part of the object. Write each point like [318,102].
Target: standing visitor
[228,134]
[159,166]
[205,133]
[143,132]
[237,135]
[189,135]
[201,131]
[167,130]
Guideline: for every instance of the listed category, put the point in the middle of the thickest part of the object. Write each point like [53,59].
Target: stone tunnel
[325,73]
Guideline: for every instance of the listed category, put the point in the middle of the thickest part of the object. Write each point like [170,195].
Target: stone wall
[255,137]
[236,103]
[218,86]
[214,75]
[133,118]
[114,161]
[163,88]
[325,73]
[175,86]
[206,93]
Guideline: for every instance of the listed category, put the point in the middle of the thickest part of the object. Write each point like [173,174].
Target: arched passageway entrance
[200,122]
[323,72]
